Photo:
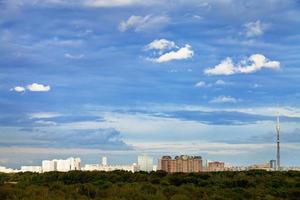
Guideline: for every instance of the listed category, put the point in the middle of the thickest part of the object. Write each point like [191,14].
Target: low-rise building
[8,170]
[96,167]
[269,166]
[216,166]
[61,165]
[91,167]
[37,169]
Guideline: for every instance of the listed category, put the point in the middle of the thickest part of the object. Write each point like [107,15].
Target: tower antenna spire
[278,143]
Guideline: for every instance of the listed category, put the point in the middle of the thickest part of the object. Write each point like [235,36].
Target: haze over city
[119,79]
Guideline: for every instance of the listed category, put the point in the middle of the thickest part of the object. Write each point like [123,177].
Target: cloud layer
[252,64]
[143,23]
[224,99]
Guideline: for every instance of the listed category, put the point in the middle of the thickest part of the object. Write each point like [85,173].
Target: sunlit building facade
[181,163]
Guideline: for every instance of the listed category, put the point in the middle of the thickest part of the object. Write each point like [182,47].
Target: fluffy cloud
[182,53]
[253,29]
[224,99]
[200,84]
[18,89]
[220,82]
[161,44]
[226,67]
[249,65]
[143,23]
[35,87]
[175,53]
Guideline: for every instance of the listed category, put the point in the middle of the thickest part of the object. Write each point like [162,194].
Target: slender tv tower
[278,143]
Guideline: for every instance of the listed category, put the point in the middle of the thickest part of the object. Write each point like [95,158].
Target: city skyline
[124,78]
[180,163]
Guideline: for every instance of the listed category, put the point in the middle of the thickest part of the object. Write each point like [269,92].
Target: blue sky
[123,77]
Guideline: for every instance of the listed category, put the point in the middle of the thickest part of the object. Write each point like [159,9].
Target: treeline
[151,186]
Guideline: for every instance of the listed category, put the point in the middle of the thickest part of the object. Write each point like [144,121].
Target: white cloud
[200,84]
[226,67]
[224,99]
[18,89]
[35,87]
[175,52]
[44,115]
[198,17]
[220,82]
[182,53]
[143,23]
[161,44]
[137,124]
[249,65]
[253,29]
[72,56]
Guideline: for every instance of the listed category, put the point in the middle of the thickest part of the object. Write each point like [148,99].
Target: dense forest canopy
[155,185]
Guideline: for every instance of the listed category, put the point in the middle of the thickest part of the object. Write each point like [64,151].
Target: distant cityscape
[182,163]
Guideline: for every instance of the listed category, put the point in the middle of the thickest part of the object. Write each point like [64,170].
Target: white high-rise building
[145,163]
[63,165]
[68,164]
[104,161]
[75,163]
[49,165]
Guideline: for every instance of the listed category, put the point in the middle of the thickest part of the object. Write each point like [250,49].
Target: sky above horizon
[118,78]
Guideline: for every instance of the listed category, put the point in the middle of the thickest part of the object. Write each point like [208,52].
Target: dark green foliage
[121,185]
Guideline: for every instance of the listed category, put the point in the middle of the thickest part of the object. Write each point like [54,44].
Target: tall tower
[278,143]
